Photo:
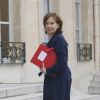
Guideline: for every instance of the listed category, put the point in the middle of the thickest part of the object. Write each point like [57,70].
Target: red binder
[44,55]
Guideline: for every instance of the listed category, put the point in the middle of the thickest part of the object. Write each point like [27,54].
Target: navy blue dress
[57,82]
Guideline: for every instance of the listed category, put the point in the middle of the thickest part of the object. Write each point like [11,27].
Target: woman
[57,82]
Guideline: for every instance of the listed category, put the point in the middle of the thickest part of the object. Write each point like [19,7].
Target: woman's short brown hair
[56,18]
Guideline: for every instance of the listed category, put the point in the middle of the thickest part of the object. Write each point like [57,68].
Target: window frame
[78,21]
[9,22]
[42,12]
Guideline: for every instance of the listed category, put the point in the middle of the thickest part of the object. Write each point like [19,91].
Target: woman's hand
[43,69]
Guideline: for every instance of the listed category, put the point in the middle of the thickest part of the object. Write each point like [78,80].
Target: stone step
[33,96]
[79,95]
[6,85]
[93,90]
[96,78]
[95,83]
[94,87]
[75,95]
[11,90]
[92,98]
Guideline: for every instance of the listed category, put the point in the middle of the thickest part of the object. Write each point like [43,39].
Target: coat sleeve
[61,52]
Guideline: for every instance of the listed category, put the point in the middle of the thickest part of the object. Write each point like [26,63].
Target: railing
[12,52]
[84,52]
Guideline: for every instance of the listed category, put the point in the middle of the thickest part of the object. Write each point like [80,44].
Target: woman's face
[51,26]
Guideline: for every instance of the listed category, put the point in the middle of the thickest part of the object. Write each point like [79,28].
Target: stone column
[31,36]
[66,11]
[97,34]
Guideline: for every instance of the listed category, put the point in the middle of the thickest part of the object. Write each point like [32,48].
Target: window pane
[45,6]
[4,15]
[5,33]
[77,36]
[77,14]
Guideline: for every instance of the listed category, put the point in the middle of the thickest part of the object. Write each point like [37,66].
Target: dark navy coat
[57,82]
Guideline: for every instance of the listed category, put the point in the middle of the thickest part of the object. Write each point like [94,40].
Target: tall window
[49,6]
[46,6]
[78,21]
[4,20]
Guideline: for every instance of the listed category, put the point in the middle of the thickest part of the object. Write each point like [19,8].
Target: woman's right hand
[43,69]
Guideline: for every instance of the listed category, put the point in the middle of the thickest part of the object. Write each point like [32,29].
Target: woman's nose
[49,25]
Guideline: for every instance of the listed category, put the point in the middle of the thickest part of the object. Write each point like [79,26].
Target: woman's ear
[45,31]
[58,26]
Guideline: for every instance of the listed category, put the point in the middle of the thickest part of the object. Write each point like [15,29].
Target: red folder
[44,55]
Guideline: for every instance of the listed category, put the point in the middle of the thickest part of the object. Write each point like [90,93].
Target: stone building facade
[22,20]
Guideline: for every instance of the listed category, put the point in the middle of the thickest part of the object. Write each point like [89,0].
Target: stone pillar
[66,11]
[97,34]
[31,36]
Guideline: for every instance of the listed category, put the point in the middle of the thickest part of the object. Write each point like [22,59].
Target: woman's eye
[47,23]
[52,23]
